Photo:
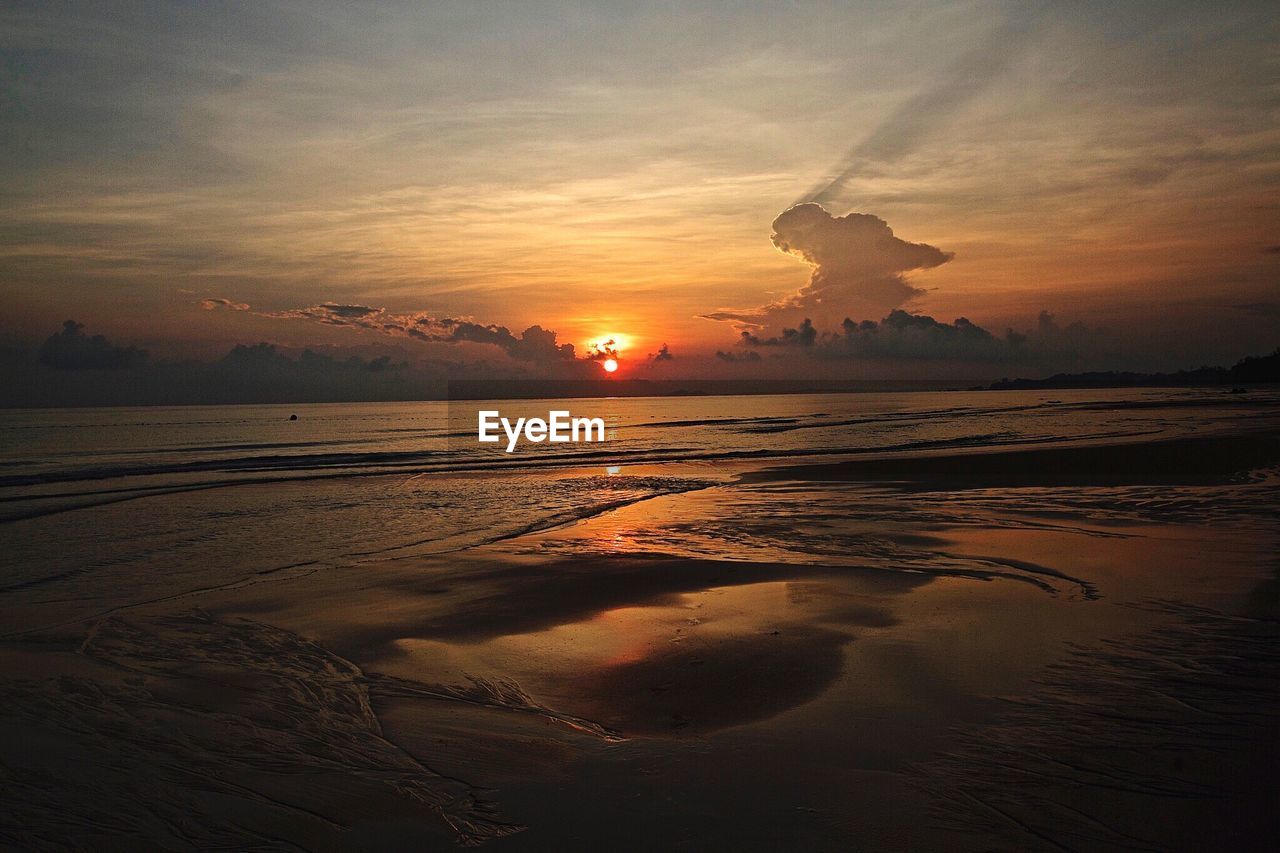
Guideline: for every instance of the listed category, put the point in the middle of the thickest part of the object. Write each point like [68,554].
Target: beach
[689,427]
[922,621]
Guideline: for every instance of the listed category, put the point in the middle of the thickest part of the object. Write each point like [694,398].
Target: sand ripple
[188,732]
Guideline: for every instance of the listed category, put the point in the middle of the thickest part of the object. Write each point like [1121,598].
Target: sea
[106,508]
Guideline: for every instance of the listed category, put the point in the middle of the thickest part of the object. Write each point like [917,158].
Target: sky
[1084,185]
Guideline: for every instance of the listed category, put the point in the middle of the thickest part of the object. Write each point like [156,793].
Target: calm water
[316,615]
[103,508]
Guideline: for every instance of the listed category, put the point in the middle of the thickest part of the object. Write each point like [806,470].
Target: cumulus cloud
[856,255]
[220,304]
[72,349]
[902,335]
[859,265]
[804,336]
[663,354]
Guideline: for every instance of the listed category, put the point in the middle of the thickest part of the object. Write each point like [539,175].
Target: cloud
[72,368]
[350,312]
[749,355]
[219,303]
[663,354]
[804,336]
[602,350]
[924,113]
[859,266]
[72,349]
[535,344]
[903,336]
[332,314]
[265,357]
[853,256]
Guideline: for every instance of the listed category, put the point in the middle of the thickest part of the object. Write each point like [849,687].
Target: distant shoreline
[784,389]
[1254,370]
[127,389]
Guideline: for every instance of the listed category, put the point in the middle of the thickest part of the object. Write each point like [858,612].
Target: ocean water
[107,508]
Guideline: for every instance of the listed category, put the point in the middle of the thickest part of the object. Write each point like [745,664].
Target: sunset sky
[183,177]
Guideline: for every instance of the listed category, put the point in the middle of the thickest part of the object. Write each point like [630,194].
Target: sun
[610,365]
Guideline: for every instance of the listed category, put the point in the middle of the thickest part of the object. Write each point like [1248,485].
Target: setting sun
[610,365]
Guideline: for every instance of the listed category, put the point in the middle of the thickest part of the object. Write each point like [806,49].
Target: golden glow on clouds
[625,168]
[611,341]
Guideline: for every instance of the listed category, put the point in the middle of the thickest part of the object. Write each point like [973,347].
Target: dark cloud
[602,349]
[221,304]
[535,344]
[72,368]
[383,369]
[853,256]
[72,349]
[349,311]
[749,355]
[804,336]
[663,354]
[266,356]
[1271,250]
[903,336]
[333,314]
[859,265]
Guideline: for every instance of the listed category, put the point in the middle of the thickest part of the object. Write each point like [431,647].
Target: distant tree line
[1254,370]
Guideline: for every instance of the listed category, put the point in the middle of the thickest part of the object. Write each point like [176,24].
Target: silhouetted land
[1254,370]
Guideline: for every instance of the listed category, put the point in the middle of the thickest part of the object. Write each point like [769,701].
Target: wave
[384,464]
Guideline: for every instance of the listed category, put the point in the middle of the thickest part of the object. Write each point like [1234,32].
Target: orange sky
[612,170]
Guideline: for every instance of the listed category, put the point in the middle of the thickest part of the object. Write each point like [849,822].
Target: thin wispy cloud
[619,171]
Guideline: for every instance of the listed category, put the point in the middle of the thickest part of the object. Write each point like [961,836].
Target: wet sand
[1205,459]
[1060,648]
